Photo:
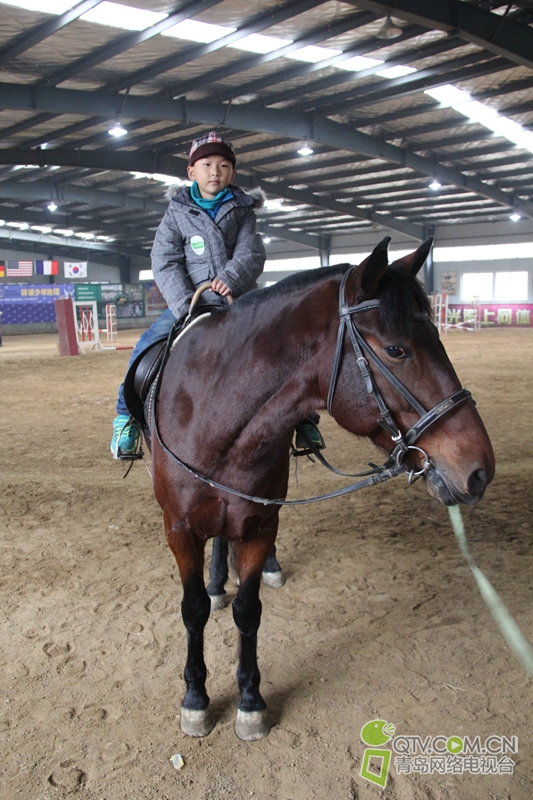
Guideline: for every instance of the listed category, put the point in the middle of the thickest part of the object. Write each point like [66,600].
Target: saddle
[139,379]
[144,370]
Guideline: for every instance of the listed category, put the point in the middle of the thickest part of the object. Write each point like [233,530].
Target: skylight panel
[395,72]
[358,63]
[313,54]
[448,95]
[475,111]
[45,6]
[503,126]
[191,30]
[258,43]
[117,15]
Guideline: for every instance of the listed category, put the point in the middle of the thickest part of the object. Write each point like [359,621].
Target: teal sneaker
[126,435]
[308,429]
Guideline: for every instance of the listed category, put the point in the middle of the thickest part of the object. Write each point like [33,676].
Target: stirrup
[137,456]
[310,447]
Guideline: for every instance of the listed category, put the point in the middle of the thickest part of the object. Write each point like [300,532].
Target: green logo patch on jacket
[198,245]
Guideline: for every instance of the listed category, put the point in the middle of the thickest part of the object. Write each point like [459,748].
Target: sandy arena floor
[380,616]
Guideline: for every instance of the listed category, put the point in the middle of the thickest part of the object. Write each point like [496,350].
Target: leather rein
[403,442]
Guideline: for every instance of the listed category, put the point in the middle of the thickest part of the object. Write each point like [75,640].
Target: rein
[403,443]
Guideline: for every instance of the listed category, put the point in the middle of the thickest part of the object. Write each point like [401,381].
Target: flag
[2,270]
[19,269]
[47,267]
[75,269]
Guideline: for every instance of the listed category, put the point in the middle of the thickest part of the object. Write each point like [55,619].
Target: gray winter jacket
[190,248]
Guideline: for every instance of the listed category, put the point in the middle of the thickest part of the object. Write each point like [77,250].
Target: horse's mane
[398,289]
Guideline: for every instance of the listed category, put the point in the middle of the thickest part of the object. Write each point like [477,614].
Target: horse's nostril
[477,483]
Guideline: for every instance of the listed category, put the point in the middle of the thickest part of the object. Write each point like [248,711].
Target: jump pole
[86,315]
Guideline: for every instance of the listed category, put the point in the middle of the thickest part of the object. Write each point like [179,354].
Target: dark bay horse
[355,340]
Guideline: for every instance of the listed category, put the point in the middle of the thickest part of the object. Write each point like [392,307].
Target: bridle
[403,442]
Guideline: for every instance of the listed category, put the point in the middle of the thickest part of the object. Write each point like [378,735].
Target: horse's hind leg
[218,574]
[196,719]
[252,719]
[272,573]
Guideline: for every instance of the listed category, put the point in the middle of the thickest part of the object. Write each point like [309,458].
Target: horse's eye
[396,352]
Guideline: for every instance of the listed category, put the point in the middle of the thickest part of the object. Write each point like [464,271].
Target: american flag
[19,269]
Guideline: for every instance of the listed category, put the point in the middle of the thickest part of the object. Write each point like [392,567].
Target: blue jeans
[161,327]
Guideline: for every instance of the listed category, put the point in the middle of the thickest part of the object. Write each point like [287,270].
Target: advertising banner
[23,304]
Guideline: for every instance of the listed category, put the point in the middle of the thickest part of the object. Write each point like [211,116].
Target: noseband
[403,442]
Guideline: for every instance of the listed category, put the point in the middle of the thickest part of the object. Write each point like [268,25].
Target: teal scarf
[211,206]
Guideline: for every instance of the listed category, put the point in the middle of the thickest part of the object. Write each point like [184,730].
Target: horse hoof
[252,725]
[273,579]
[218,601]
[197,723]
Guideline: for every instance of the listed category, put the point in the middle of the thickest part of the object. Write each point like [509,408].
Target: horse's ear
[372,269]
[414,261]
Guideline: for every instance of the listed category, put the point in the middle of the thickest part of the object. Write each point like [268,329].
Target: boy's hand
[219,287]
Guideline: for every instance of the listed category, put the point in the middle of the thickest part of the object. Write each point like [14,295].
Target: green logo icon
[377,732]
[375,766]
[454,745]
[198,245]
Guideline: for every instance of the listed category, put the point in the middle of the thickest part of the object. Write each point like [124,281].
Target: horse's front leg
[196,720]
[252,718]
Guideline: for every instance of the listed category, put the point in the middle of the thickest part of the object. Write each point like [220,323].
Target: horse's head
[390,334]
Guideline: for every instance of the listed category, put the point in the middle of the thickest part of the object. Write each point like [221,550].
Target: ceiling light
[515,217]
[305,150]
[435,185]
[42,228]
[267,239]
[389,30]
[117,130]
[63,232]
[83,235]
[51,206]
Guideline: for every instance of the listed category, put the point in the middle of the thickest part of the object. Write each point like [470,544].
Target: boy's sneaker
[125,437]
[308,429]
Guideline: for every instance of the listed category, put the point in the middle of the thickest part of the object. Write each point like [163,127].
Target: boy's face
[213,174]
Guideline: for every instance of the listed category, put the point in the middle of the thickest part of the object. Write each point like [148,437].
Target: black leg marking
[195,608]
[247,616]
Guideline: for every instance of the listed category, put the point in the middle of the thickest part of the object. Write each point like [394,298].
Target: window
[497,286]
[510,286]
[477,284]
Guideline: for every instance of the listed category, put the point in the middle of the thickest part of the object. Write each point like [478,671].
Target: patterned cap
[210,145]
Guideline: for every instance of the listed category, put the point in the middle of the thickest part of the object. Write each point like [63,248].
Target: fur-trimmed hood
[258,195]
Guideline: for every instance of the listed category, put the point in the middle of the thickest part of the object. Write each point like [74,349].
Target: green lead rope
[508,627]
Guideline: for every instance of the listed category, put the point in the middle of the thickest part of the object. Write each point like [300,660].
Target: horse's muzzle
[441,488]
